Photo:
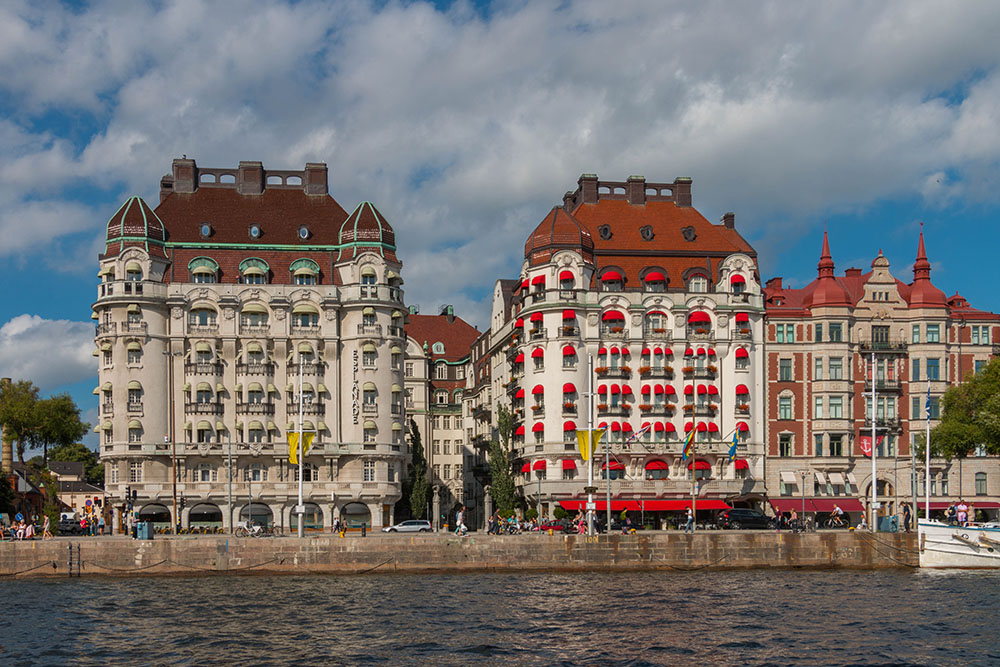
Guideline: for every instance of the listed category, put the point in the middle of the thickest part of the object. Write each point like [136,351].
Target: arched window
[697,283]
[133,272]
[368,276]
[655,324]
[253,271]
[304,272]
[203,270]
[612,281]
[202,316]
[655,280]
[737,283]
[441,371]
[253,316]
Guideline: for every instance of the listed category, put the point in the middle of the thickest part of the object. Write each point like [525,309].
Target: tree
[6,496]
[93,468]
[58,423]
[502,488]
[17,414]
[419,488]
[971,416]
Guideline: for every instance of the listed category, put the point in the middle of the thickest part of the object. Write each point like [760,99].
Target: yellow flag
[308,443]
[293,448]
[587,442]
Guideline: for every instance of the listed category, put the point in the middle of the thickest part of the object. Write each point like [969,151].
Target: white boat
[971,546]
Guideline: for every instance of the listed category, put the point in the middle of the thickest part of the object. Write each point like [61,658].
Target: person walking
[46,533]
[689,526]
[460,528]
[906,518]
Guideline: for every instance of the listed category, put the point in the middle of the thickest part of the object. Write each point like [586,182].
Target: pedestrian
[100,524]
[46,533]
[950,514]
[906,518]
[793,520]
[963,512]
[689,525]
[460,528]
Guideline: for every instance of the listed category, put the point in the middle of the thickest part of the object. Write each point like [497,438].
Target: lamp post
[802,520]
[170,432]
[229,482]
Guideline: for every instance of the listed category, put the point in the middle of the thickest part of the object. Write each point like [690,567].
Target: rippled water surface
[705,618]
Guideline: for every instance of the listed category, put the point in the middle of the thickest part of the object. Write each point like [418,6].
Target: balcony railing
[743,334]
[311,408]
[569,331]
[621,372]
[538,410]
[255,329]
[396,332]
[884,385]
[107,408]
[569,410]
[706,373]
[134,408]
[656,333]
[310,368]
[255,408]
[614,333]
[537,334]
[667,409]
[305,329]
[370,329]
[666,372]
[369,408]
[255,369]
[889,345]
[203,408]
[622,410]
[883,422]
[700,334]
[567,294]
[106,328]
[203,368]
[203,329]
[135,327]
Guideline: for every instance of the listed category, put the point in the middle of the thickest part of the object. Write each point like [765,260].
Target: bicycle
[835,522]
[250,529]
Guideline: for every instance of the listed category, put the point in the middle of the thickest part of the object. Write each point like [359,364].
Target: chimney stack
[185,179]
[682,192]
[568,199]
[637,190]
[251,178]
[729,220]
[316,179]
[588,188]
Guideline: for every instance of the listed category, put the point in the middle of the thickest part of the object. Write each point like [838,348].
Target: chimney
[449,312]
[637,190]
[853,273]
[316,179]
[568,199]
[251,178]
[185,173]
[588,188]
[729,220]
[166,186]
[682,192]
[774,283]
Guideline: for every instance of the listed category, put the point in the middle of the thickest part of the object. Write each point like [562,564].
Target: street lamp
[802,519]
[170,432]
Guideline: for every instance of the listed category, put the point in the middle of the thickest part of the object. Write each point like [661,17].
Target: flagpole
[927,454]
[590,443]
[299,448]
[607,478]
[694,455]
[874,512]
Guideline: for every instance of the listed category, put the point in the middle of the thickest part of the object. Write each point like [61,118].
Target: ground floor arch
[259,513]
[156,514]
[312,518]
[205,515]
[355,514]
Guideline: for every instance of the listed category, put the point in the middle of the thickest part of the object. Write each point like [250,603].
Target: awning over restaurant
[846,504]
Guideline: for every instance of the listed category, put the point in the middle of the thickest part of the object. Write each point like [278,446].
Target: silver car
[411,526]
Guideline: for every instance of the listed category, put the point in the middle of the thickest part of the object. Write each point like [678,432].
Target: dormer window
[305,272]
[738,284]
[612,281]
[566,280]
[655,281]
[698,283]
[368,276]
[133,272]
[203,270]
[253,271]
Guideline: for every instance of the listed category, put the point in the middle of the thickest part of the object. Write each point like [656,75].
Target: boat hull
[942,545]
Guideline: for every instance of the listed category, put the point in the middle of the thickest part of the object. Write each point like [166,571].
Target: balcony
[884,385]
[481,413]
[310,330]
[650,410]
[396,332]
[614,333]
[706,373]
[107,409]
[369,329]
[891,423]
[135,328]
[538,410]
[195,329]
[537,334]
[742,410]
[538,296]
[370,409]
[255,369]
[569,409]
[651,372]
[889,345]
[567,294]
[624,372]
[307,368]
[255,409]
[203,408]
[106,329]
[315,408]
[700,334]
[623,410]
[743,334]
[568,331]
[203,368]
[134,407]
[657,333]
[255,329]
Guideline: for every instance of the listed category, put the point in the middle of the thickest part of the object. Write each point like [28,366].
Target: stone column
[375,509]
[487,505]
[185,517]
[436,507]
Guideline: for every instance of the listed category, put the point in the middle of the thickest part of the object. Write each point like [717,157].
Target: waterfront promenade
[328,554]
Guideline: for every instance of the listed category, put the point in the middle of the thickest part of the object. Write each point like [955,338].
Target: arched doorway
[356,514]
[260,514]
[205,515]
[312,519]
[886,493]
[157,514]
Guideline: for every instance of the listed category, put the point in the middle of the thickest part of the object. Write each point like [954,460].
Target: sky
[466,122]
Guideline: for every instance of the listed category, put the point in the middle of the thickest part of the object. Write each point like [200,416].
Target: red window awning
[519,359]
[787,504]
[603,389]
[569,351]
[702,427]
[611,275]
[645,391]
[699,317]
[519,430]
[526,468]
[668,390]
[626,390]
[615,389]
[614,350]
[713,390]
[536,317]
[656,312]
[742,389]
[602,505]
[655,276]
[612,315]
[688,426]
[539,427]
[537,353]
[741,464]
[742,317]
[539,389]
[539,465]
[669,428]
[615,465]
[737,279]
[658,389]
[626,428]
[659,350]
[519,323]
[657,464]
[566,275]
[699,465]
[568,464]
[616,427]
[667,351]
[569,314]
[602,425]
[713,427]
[519,394]
[741,353]
[658,427]
[645,352]
[742,427]
[525,284]
[625,352]
[711,351]
[569,388]
[538,280]
[688,390]
[569,426]
[689,352]
[602,350]
[700,352]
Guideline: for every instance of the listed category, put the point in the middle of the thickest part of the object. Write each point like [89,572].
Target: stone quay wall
[327,554]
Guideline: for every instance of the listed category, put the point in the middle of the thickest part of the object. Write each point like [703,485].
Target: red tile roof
[135,220]
[458,335]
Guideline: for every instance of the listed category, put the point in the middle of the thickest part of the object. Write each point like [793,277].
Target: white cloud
[50,353]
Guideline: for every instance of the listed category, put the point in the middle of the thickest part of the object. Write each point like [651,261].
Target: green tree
[6,495]
[17,413]
[58,423]
[502,488]
[93,468]
[970,416]
[418,486]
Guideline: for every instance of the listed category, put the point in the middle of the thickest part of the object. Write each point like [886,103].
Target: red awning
[708,504]
[569,388]
[688,390]
[985,505]
[645,390]
[625,352]
[536,317]
[850,505]
[742,389]
[626,390]
[569,351]
[602,505]
[741,464]
[658,427]
[681,505]
[539,427]
[615,389]
[713,427]
[519,322]
[699,465]
[611,275]
[537,353]
[741,353]
[688,426]
[658,389]
[668,390]
[702,427]
[519,359]
[626,428]
[737,279]
[602,350]
[538,280]
[603,389]
[569,464]
[659,350]
[742,317]
[615,465]
[519,394]
[742,427]
[699,317]
[655,276]
[656,312]
[526,468]
[787,504]
[565,275]
[602,425]
[569,426]
[711,351]
[525,284]
[614,349]
[520,430]
[612,315]
[539,389]
[657,464]
[669,428]
[615,427]
[667,351]
[569,314]
[700,352]
[713,390]
[539,465]
[689,352]
[645,352]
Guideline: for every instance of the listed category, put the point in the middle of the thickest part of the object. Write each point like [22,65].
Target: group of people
[960,514]
[92,524]
[21,529]
[498,525]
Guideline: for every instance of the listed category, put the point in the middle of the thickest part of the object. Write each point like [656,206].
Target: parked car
[69,527]
[739,517]
[411,526]
[555,525]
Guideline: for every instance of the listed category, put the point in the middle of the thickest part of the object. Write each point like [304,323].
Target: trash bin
[888,524]
[144,531]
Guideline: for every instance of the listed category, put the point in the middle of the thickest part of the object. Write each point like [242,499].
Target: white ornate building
[209,308]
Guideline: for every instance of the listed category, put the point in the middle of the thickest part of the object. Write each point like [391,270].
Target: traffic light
[183,502]
[135,495]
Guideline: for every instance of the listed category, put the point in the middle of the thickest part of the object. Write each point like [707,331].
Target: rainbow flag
[688,445]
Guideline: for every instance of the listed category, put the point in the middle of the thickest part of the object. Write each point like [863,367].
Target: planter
[644,370]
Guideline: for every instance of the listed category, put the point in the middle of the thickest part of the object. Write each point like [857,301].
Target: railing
[700,334]
[255,369]
[743,334]
[568,331]
[255,408]
[308,368]
[203,368]
[567,294]
[883,422]
[666,372]
[255,329]
[135,327]
[107,408]
[667,409]
[538,410]
[614,333]
[369,408]
[569,410]
[889,345]
[537,334]
[622,372]
[304,329]
[203,408]
[396,332]
[370,329]
[700,373]
[650,333]
[743,410]
[106,328]
[134,408]
[884,385]
[622,410]
[310,408]
[203,329]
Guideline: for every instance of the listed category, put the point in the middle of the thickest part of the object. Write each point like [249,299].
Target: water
[704,618]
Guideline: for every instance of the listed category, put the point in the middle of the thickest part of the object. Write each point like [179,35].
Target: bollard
[363,524]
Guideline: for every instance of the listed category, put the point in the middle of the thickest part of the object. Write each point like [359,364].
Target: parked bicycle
[250,529]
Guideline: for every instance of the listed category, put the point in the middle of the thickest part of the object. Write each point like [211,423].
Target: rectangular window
[437,471]
[933,369]
[134,471]
[935,407]
[784,407]
[980,365]
[914,370]
[779,333]
[915,409]
[975,335]
[818,448]
[835,330]
[447,471]
[785,370]
[980,484]
[818,411]
[819,332]
[836,407]
[836,445]
[836,368]
[915,335]
[785,444]
[880,333]
[944,484]
[818,371]
[933,333]
[408,372]
[370,471]
[113,468]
